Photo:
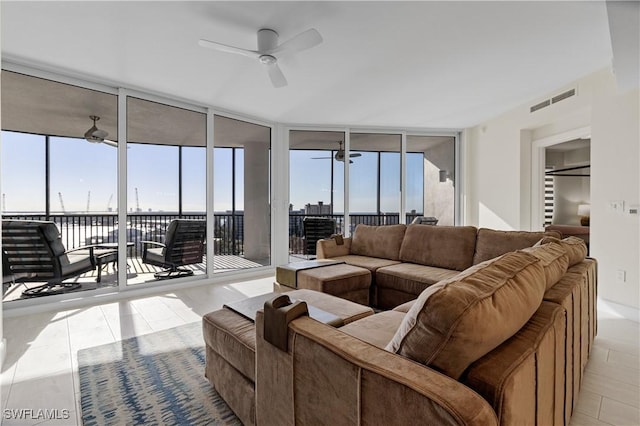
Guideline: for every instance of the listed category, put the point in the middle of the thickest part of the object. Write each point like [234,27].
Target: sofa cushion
[233,337]
[376,329]
[411,278]
[575,247]
[531,360]
[378,241]
[370,263]
[554,260]
[491,243]
[404,308]
[449,247]
[455,322]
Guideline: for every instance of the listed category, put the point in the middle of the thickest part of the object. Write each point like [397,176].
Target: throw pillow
[457,321]
[575,247]
[554,260]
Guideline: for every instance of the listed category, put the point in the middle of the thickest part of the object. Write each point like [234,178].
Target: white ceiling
[401,64]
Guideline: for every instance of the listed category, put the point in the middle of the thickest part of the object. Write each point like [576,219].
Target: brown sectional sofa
[479,339]
[404,260]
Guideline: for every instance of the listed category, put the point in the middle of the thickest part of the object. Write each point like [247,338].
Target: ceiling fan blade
[228,49]
[355,155]
[276,76]
[110,143]
[303,41]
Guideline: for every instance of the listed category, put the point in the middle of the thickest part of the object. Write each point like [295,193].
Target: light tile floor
[40,371]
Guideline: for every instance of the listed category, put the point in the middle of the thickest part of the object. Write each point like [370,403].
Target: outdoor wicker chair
[183,245]
[32,251]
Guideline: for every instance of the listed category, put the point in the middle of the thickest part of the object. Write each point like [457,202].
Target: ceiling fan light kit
[269,49]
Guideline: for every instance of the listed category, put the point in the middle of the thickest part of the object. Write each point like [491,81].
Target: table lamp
[584,211]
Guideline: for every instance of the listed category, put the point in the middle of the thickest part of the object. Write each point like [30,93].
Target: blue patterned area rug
[154,379]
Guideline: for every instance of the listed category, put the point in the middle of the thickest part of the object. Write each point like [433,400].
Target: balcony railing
[85,229]
[296,229]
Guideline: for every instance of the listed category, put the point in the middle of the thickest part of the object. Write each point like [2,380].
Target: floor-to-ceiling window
[317,181]
[242,194]
[316,188]
[436,175]
[166,192]
[68,158]
[374,179]
[59,164]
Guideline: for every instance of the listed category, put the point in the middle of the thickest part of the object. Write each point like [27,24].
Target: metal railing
[296,229]
[79,230]
[82,229]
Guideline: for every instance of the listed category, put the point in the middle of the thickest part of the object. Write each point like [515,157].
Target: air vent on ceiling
[554,100]
[562,96]
[540,105]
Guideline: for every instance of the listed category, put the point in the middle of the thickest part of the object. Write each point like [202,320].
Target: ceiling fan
[269,50]
[339,156]
[95,135]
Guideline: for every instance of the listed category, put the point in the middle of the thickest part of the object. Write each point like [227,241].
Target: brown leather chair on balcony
[32,251]
[183,245]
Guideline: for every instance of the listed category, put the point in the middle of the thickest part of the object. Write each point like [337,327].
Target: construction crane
[61,202]
[88,201]
[109,203]
[137,201]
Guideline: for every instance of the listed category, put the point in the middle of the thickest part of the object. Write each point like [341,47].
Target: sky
[85,175]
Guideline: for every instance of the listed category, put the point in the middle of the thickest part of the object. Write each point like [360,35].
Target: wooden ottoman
[345,281]
[230,346]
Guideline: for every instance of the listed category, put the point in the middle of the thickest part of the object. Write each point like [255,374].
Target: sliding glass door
[431,177]
[242,195]
[166,192]
[316,189]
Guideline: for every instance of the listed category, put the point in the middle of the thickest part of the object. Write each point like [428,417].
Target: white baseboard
[624,311]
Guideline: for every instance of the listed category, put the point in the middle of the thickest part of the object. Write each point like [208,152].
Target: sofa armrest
[328,248]
[329,377]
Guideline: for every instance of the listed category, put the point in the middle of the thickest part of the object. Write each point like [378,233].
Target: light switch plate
[617,205]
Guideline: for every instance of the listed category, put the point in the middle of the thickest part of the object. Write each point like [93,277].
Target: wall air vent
[541,105]
[554,100]
[562,96]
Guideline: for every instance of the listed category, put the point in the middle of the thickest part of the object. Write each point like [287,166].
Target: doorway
[561,183]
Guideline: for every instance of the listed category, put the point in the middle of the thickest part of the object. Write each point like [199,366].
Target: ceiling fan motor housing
[267,40]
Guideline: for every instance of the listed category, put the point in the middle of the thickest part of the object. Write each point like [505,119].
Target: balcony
[79,230]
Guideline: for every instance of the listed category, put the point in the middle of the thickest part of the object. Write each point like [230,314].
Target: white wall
[614,176]
[499,183]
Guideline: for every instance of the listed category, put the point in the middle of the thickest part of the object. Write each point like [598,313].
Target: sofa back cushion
[449,247]
[554,260]
[491,243]
[378,241]
[575,247]
[457,321]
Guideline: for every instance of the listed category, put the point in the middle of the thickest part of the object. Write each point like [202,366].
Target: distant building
[317,209]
